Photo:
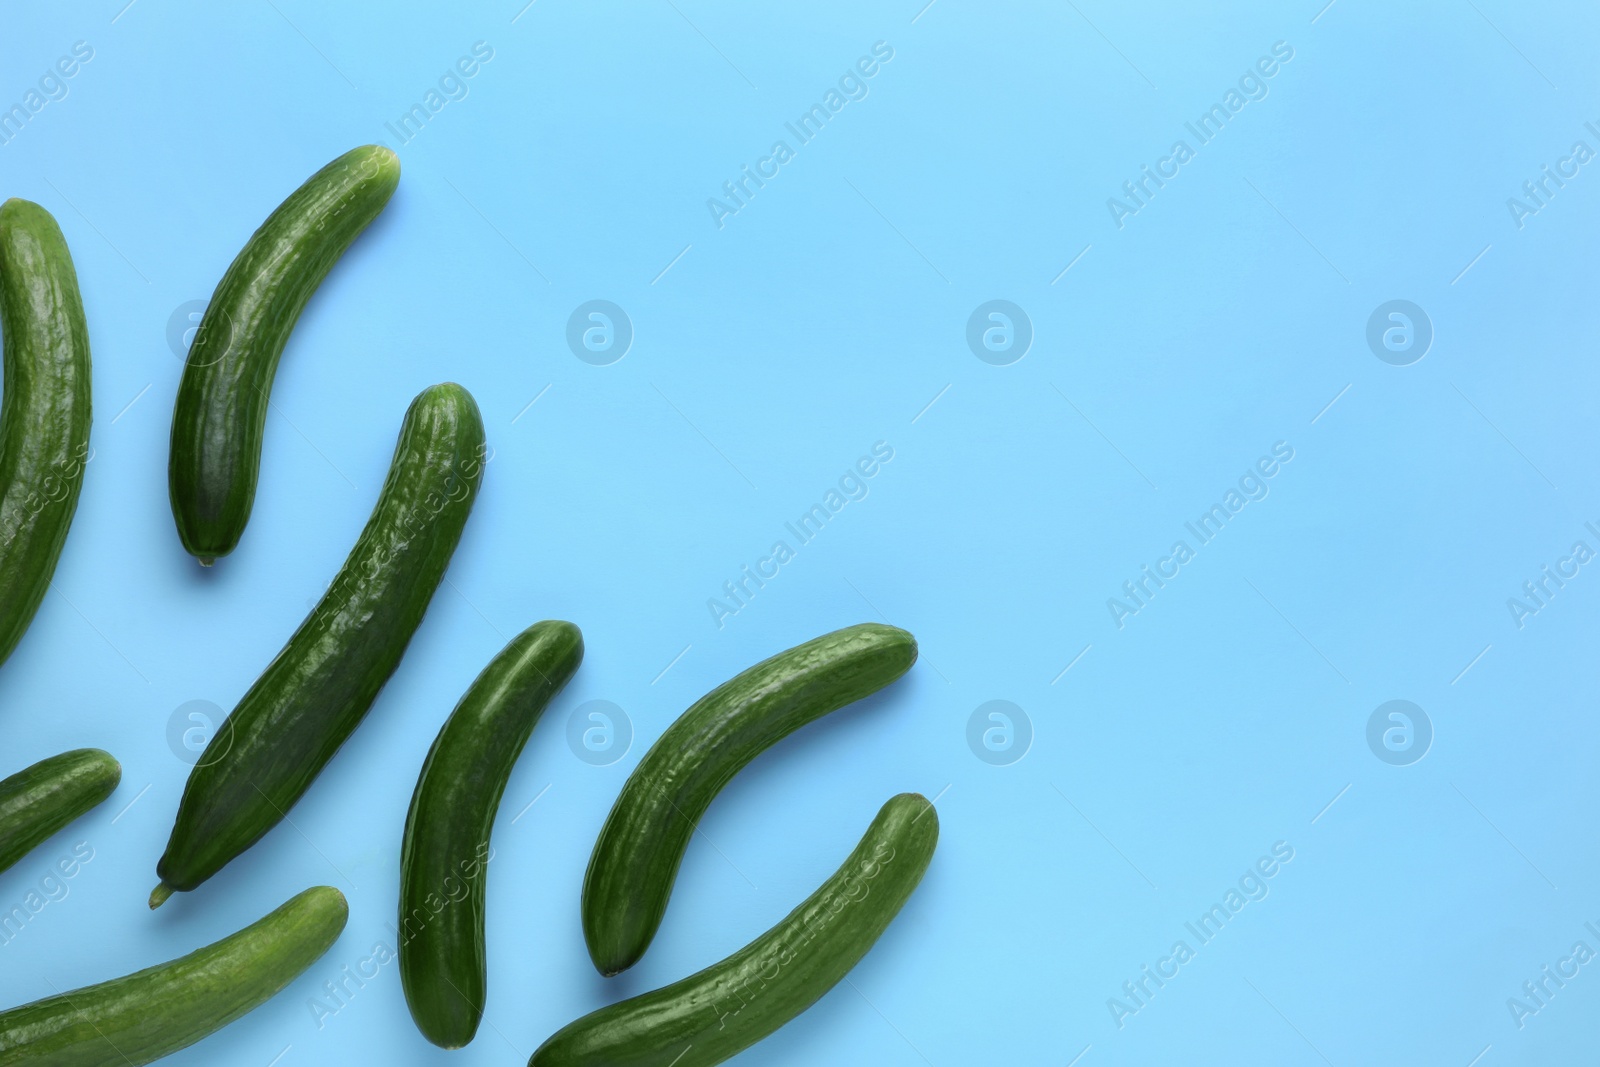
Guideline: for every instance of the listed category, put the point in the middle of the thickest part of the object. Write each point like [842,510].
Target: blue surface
[1160,760]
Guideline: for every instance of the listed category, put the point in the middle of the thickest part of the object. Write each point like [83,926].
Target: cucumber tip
[159,895]
[206,561]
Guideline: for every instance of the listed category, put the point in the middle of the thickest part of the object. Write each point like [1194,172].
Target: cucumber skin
[219,420]
[318,689]
[442,965]
[44,413]
[157,1011]
[41,799]
[636,857]
[720,1011]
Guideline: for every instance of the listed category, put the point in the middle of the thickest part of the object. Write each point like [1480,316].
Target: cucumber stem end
[159,895]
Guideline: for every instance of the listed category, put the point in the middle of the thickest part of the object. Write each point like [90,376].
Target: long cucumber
[155,1012]
[443,854]
[636,858]
[41,799]
[266,754]
[45,410]
[724,1009]
[219,420]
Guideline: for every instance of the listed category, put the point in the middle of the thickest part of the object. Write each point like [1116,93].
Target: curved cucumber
[220,418]
[44,413]
[155,1012]
[444,854]
[724,1009]
[319,688]
[41,799]
[636,859]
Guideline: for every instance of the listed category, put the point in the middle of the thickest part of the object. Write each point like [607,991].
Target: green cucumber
[636,859]
[44,414]
[155,1012]
[266,754]
[724,1009]
[443,857]
[220,417]
[41,799]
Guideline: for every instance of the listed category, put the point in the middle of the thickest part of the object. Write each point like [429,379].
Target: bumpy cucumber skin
[219,420]
[45,410]
[320,687]
[41,799]
[636,858]
[157,1011]
[724,1009]
[442,965]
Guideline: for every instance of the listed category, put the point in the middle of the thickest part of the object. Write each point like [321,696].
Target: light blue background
[768,356]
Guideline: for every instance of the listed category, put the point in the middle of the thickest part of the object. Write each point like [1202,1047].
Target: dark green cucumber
[155,1012]
[443,856]
[636,859]
[724,1009]
[220,418]
[319,688]
[44,413]
[41,799]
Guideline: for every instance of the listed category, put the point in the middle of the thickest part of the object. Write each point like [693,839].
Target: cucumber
[319,688]
[635,860]
[44,413]
[41,799]
[443,856]
[157,1011]
[724,1009]
[220,417]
